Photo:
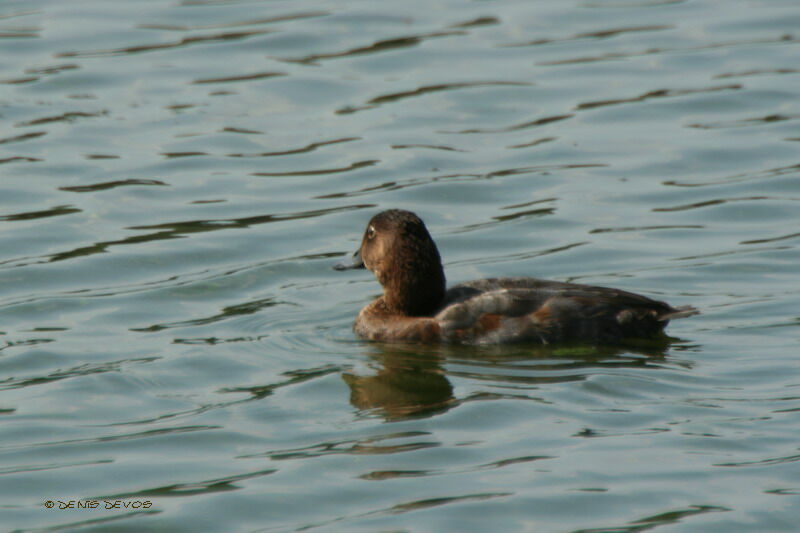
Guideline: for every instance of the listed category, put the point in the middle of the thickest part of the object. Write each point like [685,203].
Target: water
[179,177]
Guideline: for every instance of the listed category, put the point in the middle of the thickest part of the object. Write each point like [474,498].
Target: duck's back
[501,310]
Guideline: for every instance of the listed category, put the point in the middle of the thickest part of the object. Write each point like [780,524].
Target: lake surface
[177,178]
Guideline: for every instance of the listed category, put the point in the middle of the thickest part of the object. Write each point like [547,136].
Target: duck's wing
[528,309]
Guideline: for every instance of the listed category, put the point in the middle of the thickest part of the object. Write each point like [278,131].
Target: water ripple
[757,72]
[660,93]
[111,185]
[614,56]
[175,230]
[421,91]
[231,311]
[382,45]
[598,34]
[720,201]
[305,149]
[519,126]
[667,518]
[741,177]
[241,77]
[69,116]
[186,41]
[57,211]
[646,228]
[745,122]
[365,446]
[77,371]
[172,490]
[318,172]
[246,22]
[23,137]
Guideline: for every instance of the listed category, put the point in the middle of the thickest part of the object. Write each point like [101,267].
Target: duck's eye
[370,232]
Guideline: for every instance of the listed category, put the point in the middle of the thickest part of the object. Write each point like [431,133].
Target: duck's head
[398,249]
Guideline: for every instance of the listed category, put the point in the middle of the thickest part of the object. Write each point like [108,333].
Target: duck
[417,307]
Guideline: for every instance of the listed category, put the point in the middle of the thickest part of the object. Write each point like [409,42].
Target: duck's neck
[417,290]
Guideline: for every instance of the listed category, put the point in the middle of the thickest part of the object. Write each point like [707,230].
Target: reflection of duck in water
[414,381]
[405,386]
[415,306]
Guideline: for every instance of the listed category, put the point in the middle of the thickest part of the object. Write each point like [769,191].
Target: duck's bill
[354,263]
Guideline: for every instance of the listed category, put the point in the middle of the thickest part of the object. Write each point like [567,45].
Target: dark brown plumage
[415,306]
